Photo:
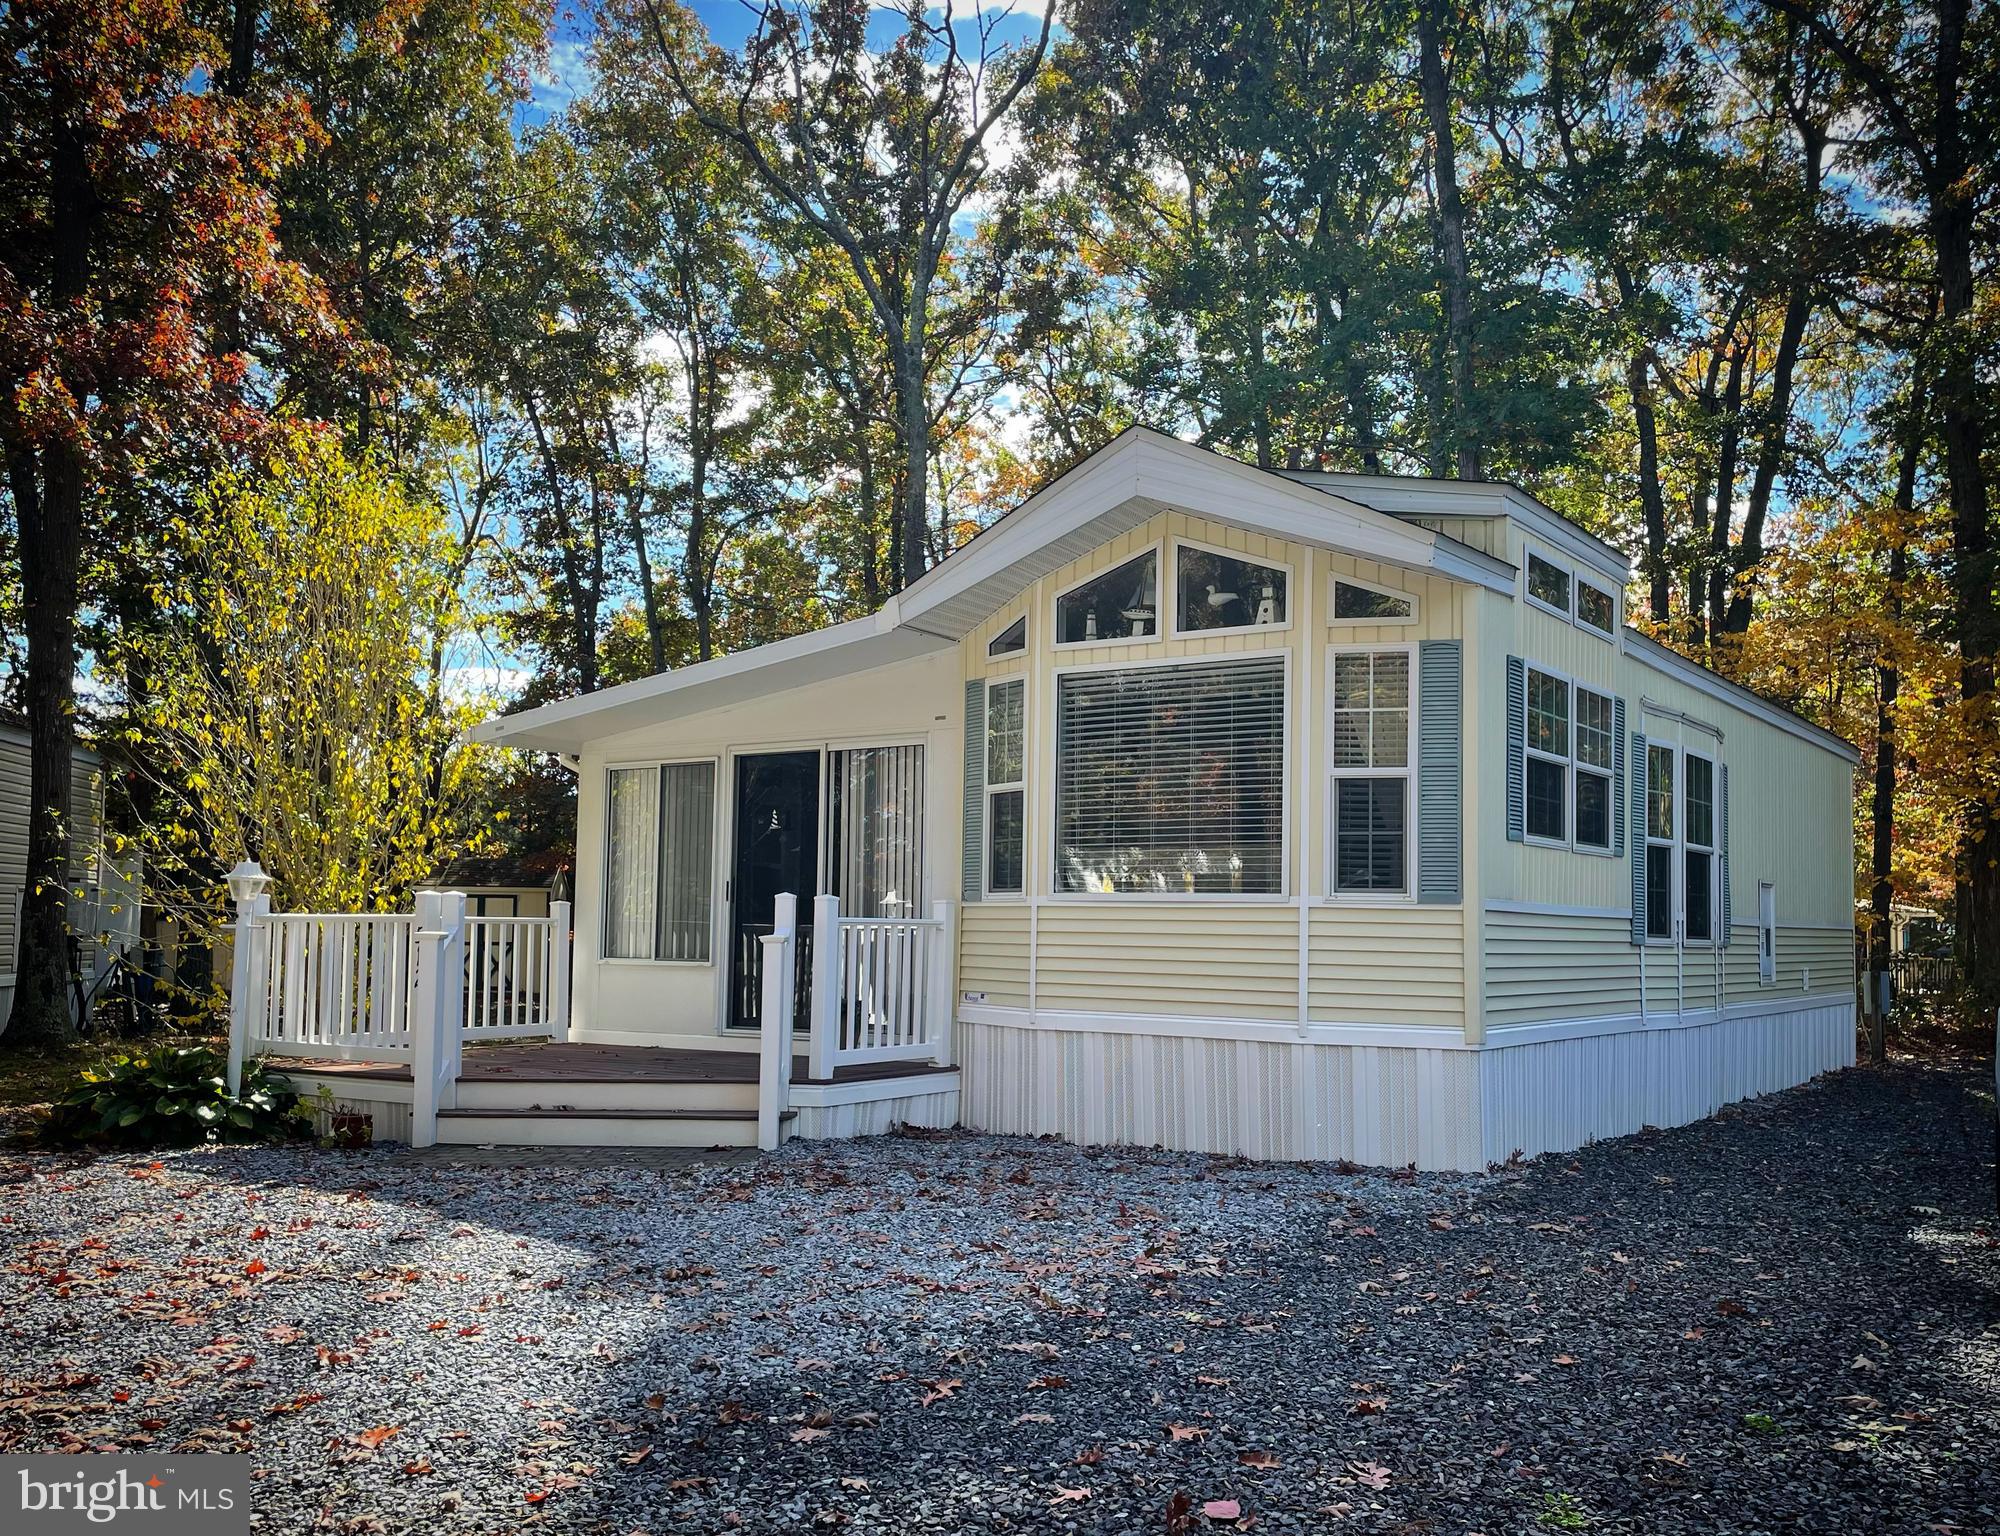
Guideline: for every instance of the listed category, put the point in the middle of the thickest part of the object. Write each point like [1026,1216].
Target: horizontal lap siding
[993,952]
[1166,958]
[1827,952]
[1402,965]
[1540,966]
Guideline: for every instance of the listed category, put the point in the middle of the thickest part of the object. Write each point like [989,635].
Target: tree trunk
[1454,268]
[914,413]
[1888,682]
[1659,580]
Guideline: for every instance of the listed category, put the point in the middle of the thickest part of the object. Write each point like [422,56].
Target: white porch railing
[882,988]
[397,987]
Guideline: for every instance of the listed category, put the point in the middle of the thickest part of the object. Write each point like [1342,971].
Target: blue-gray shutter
[1517,750]
[972,856]
[1638,837]
[1724,791]
[1439,756]
[1618,778]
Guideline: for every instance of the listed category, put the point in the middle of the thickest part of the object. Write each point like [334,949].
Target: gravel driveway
[1786,1319]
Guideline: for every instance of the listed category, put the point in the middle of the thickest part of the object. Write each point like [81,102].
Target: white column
[426,1031]
[779,959]
[823,1040]
[942,1003]
[246,994]
[557,1008]
[451,1019]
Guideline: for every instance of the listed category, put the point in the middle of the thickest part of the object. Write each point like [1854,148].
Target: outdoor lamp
[247,881]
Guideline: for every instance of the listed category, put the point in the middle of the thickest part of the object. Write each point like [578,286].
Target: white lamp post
[246,882]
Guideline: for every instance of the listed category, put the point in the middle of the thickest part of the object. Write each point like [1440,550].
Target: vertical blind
[660,863]
[875,809]
[1171,779]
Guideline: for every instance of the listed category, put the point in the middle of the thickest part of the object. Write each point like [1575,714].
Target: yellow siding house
[1290,815]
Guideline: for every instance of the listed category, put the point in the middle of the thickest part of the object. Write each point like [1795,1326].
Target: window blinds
[1171,779]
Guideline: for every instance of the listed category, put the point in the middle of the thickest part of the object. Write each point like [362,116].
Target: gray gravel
[1781,1320]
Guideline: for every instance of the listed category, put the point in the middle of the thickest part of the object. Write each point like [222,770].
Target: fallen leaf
[1186,1432]
[1263,1461]
[1070,1495]
[1369,1474]
[1222,1509]
[378,1435]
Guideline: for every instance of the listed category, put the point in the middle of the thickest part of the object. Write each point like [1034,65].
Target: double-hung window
[1698,849]
[1547,766]
[659,865]
[1370,813]
[1170,780]
[1595,732]
[1006,792]
[1660,819]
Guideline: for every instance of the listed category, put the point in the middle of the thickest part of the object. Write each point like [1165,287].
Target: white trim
[1158,550]
[1178,542]
[1668,712]
[1560,909]
[1648,652]
[1335,581]
[1602,589]
[717,864]
[1528,559]
[990,655]
[1281,897]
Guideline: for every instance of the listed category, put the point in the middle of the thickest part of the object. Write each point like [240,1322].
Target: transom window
[1596,608]
[1215,590]
[1356,603]
[1006,797]
[659,862]
[1119,604]
[1170,779]
[1548,584]
[1370,782]
[1011,640]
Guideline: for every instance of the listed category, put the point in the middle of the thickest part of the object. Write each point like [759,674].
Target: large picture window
[1170,780]
[659,862]
[1371,772]
[1006,796]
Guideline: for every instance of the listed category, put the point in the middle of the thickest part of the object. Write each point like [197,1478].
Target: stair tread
[585,1113]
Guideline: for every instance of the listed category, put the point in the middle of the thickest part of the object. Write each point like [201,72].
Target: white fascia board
[836,651]
[1648,652]
[1165,472]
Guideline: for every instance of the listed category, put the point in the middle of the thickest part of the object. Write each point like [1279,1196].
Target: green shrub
[173,1098]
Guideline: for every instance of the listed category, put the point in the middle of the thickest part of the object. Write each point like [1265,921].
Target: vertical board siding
[1557,1095]
[1288,1101]
[1386,965]
[1221,960]
[993,952]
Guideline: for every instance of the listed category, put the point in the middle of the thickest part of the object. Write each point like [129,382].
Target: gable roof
[1135,477]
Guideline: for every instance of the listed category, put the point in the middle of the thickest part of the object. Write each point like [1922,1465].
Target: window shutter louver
[972,854]
[1618,777]
[1439,759]
[1517,749]
[1723,851]
[1638,848]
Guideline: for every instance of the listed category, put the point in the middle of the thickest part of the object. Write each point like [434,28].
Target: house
[104,899]
[1294,815]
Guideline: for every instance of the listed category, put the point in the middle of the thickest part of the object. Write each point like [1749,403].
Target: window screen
[1171,779]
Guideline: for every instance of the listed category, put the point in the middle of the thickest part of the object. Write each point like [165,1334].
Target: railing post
[823,1039]
[426,1018]
[944,985]
[451,1019]
[774,1045]
[559,957]
[244,977]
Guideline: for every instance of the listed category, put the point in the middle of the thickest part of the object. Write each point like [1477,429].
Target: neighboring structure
[1297,816]
[106,916]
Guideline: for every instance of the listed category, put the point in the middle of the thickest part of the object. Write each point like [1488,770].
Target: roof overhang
[1141,474]
[838,651]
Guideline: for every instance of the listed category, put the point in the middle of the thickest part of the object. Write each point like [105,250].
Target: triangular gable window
[1357,603]
[1012,639]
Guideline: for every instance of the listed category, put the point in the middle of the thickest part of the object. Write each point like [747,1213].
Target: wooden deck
[572,1062]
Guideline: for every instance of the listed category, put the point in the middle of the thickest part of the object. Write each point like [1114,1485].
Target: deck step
[550,1093]
[610,1127]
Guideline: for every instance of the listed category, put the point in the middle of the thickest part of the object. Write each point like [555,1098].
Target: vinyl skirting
[1436,1105]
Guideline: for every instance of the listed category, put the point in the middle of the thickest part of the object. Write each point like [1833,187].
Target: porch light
[246,882]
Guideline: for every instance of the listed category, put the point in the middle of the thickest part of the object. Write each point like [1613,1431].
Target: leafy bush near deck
[175,1098]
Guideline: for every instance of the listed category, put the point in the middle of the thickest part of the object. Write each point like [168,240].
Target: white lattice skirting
[1443,1106]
